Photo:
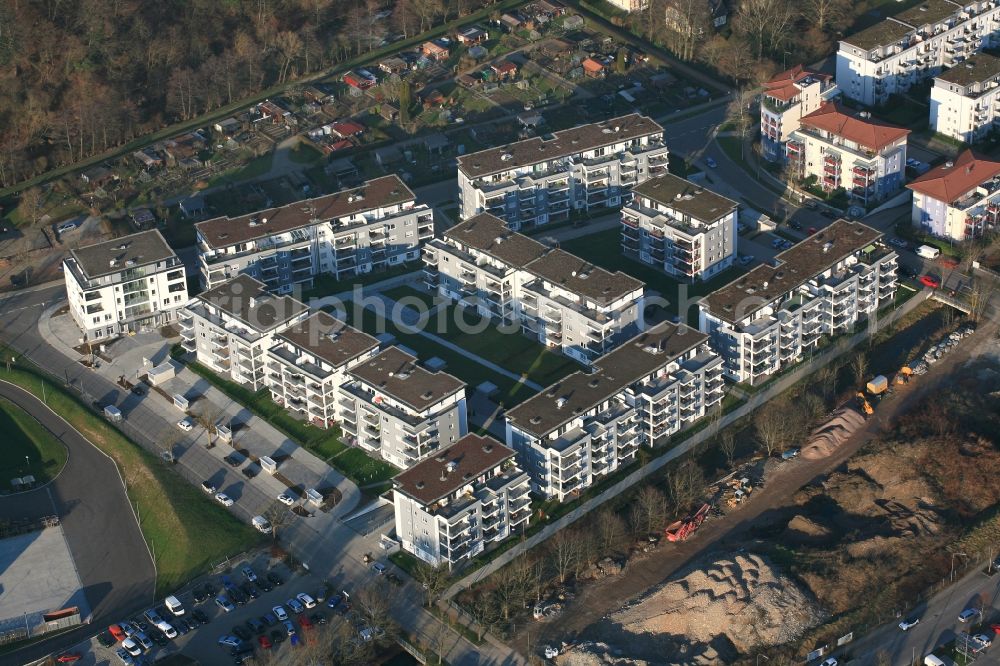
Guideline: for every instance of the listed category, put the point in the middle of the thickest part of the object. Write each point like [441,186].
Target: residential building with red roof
[786,98]
[850,150]
[959,199]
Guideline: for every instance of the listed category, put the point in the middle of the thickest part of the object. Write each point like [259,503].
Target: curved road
[111,556]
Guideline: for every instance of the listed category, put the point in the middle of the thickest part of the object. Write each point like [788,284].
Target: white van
[931,660]
[928,252]
[174,605]
[262,524]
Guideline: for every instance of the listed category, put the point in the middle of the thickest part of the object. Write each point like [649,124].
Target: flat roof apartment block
[681,228]
[392,406]
[965,100]
[451,506]
[903,50]
[128,284]
[591,423]
[231,327]
[556,297]
[355,231]
[310,360]
[768,318]
[544,179]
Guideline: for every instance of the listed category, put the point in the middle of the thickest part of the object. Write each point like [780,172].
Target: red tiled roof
[783,86]
[951,183]
[347,128]
[872,134]
[592,65]
[504,67]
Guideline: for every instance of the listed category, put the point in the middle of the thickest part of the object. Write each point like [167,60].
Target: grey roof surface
[248,300]
[682,195]
[641,356]
[795,266]
[144,248]
[881,34]
[927,12]
[488,233]
[583,278]
[563,143]
[976,69]
[396,373]
[329,339]
[430,480]
[225,231]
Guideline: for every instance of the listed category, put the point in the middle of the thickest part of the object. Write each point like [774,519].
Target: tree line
[79,78]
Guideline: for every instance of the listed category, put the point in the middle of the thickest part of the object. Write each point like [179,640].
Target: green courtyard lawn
[326,285]
[27,438]
[186,531]
[604,249]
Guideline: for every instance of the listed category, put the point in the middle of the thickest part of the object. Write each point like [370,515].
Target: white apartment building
[630,5]
[556,297]
[965,100]
[451,506]
[231,327]
[777,312]
[399,410]
[681,228]
[897,53]
[592,423]
[542,179]
[849,150]
[959,199]
[129,284]
[352,232]
[785,99]
[309,362]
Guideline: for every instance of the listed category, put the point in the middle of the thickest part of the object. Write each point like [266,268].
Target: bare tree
[979,300]
[859,366]
[372,603]
[610,529]
[825,381]
[483,610]
[766,23]
[564,551]
[511,583]
[30,205]
[689,20]
[650,510]
[434,580]
[727,443]
[685,484]
[826,14]
[279,516]
[739,116]
[771,426]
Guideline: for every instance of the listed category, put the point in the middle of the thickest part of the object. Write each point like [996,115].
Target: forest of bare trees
[81,77]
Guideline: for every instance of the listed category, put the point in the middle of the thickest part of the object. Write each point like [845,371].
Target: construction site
[773,555]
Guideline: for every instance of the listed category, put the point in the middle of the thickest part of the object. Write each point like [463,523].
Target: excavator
[682,529]
[866,406]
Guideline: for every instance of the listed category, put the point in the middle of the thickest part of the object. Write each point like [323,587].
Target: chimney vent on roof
[123,246]
[487,448]
[535,420]
[263,220]
[827,246]
[949,164]
[451,466]
[419,485]
[560,403]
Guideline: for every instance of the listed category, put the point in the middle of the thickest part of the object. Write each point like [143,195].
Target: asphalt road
[114,565]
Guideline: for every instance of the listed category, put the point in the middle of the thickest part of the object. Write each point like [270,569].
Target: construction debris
[828,437]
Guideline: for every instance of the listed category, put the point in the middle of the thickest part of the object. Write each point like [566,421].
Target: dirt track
[594,601]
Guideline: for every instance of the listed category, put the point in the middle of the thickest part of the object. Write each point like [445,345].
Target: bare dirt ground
[897,496]
[38,251]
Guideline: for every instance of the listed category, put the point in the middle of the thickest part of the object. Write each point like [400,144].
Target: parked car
[229,641]
[186,425]
[279,612]
[983,640]
[968,614]
[223,602]
[286,499]
[898,242]
[277,636]
[224,499]
[143,640]
[232,460]
[256,626]
[906,625]
[305,622]
[69,657]
[295,605]
[208,487]
[117,632]
[132,646]
[264,642]
[318,617]
[269,619]
[306,600]
[250,574]
[249,590]
[274,578]
[333,601]
[746,259]
[930,281]
[200,616]
[242,632]
[790,453]
[124,657]
[378,568]
[200,594]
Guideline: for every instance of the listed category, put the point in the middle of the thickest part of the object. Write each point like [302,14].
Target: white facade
[903,50]
[231,327]
[630,5]
[356,231]
[959,199]
[129,284]
[681,228]
[556,298]
[775,314]
[449,508]
[785,99]
[542,179]
[865,158]
[590,424]
[965,100]
[310,361]
[392,407]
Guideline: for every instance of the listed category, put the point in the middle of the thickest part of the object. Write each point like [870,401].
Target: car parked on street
[295,605]
[906,625]
[306,600]
[224,499]
[274,578]
[279,612]
[223,602]
[286,499]
[250,574]
[930,281]
[229,640]
[968,614]
[186,425]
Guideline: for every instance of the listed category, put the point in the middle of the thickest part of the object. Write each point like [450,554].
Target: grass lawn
[325,444]
[604,249]
[252,169]
[27,438]
[305,153]
[185,529]
[326,285]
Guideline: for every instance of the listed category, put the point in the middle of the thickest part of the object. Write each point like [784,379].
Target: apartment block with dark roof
[451,506]
[913,45]
[128,284]
[310,360]
[360,230]
[395,408]
[775,314]
[965,100]
[592,423]
[555,297]
[543,179]
[231,327]
[681,228]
